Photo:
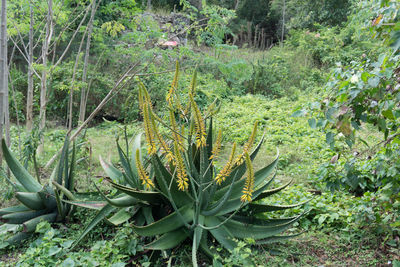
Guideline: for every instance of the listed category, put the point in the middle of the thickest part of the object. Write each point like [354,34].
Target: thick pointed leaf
[30,200]
[235,204]
[93,205]
[135,146]
[20,173]
[61,164]
[220,203]
[166,224]
[48,197]
[130,177]
[13,209]
[66,192]
[102,214]
[163,178]
[111,171]
[168,240]
[151,197]
[221,234]
[21,217]
[259,208]
[69,183]
[272,191]
[259,177]
[120,217]
[30,226]
[263,222]
[123,201]
[274,239]
[241,169]
[242,230]
[17,238]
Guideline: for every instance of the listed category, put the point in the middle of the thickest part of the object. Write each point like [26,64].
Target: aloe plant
[37,202]
[186,196]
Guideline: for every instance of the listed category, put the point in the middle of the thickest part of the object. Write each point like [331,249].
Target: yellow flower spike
[174,84]
[217,146]
[199,123]
[181,176]
[152,149]
[248,145]
[161,141]
[192,92]
[143,176]
[249,185]
[226,170]
[175,131]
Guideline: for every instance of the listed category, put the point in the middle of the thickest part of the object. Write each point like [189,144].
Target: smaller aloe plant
[37,202]
[184,195]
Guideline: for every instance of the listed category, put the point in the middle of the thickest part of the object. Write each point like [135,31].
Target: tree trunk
[29,95]
[71,92]
[3,70]
[43,88]
[82,107]
[283,21]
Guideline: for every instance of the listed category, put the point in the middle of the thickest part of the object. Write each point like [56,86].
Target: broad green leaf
[166,224]
[102,214]
[120,217]
[168,241]
[20,173]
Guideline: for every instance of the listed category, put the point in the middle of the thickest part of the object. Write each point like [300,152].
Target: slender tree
[3,70]
[29,98]
[82,107]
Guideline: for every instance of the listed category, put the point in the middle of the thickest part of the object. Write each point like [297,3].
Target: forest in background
[320,79]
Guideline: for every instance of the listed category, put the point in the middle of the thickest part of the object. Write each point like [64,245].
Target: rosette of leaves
[188,197]
[37,202]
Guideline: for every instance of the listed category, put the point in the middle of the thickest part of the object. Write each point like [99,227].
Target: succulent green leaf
[166,224]
[272,191]
[69,183]
[13,209]
[18,238]
[47,195]
[274,239]
[66,192]
[168,240]
[135,146]
[129,177]
[30,226]
[241,169]
[94,205]
[259,208]
[163,178]
[30,200]
[263,222]
[120,217]
[111,171]
[20,173]
[122,202]
[221,234]
[102,214]
[243,230]
[21,217]
[153,197]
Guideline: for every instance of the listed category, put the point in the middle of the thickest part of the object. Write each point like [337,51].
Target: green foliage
[210,24]
[53,248]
